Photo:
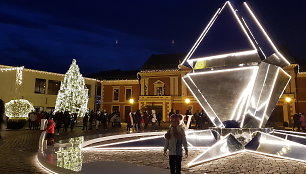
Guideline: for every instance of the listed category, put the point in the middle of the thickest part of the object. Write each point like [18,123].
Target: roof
[116,74]
[163,62]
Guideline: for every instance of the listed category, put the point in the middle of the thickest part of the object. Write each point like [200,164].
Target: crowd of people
[138,121]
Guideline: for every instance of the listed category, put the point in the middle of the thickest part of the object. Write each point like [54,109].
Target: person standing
[175,138]
[50,132]
[196,117]
[303,122]
[129,121]
[72,121]
[85,121]
[146,119]
[104,119]
[32,120]
[98,118]
[159,118]
[154,119]
[296,121]
[171,113]
[91,119]
[137,120]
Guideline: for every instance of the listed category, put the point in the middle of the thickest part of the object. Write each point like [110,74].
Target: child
[175,138]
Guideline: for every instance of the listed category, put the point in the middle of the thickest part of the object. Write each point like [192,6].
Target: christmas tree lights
[73,94]
[20,108]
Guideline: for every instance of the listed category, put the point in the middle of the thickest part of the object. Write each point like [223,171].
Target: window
[89,88]
[159,88]
[128,93]
[40,86]
[116,94]
[53,87]
[159,91]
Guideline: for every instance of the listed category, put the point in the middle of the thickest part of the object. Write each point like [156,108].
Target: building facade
[38,87]
[157,86]
[161,88]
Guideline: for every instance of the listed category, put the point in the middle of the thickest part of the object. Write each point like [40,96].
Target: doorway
[127,110]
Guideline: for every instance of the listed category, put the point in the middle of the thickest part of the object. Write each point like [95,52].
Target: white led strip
[265,33]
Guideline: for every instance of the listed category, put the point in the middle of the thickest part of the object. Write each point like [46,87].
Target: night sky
[103,35]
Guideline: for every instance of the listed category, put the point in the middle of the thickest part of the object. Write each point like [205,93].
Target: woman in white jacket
[175,138]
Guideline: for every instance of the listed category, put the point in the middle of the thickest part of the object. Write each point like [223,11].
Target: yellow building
[157,86]
[38,87]
[162,88]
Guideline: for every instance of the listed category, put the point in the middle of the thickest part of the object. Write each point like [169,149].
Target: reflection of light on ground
[42,167]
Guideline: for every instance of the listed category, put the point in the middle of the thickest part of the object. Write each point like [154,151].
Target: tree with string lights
[73,94]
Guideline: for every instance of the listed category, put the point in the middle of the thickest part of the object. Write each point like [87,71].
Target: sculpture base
[278,143]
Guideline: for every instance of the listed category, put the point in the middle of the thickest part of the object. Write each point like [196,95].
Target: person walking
[175,138]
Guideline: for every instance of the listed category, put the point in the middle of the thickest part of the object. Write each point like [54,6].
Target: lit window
[159,88]
[128,94]
[159,91]
[53,87]
[40,86]
[116,94]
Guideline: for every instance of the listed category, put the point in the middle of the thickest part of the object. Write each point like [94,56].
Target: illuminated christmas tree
[73,94]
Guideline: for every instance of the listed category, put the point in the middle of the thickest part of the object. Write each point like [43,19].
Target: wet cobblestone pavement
[240,163]
[19,147]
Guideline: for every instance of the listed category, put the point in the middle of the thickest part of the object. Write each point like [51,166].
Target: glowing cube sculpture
[244,85]
[238,78]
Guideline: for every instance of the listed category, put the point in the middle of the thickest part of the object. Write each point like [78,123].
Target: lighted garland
[18,108]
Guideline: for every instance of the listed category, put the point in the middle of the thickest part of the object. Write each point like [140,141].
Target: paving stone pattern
[240,163]
[19,147]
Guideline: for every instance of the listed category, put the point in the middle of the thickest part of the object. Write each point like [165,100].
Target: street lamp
[288,99]
[131,101]
[187,100]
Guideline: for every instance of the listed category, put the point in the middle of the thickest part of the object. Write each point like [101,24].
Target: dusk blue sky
[46,35]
